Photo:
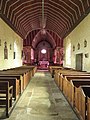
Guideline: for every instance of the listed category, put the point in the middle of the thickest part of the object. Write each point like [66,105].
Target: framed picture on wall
[78,46]
[86,55]
[0,42]
[73,48]
[5,51]
[10,47]
[14,55]
[21,54]
[85,43]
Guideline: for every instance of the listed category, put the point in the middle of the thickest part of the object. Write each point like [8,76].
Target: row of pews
[75,86]
[12,84]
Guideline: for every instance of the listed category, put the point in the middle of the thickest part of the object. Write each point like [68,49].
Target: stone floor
[42,100]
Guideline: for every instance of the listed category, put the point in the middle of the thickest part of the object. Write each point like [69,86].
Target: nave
[42,100]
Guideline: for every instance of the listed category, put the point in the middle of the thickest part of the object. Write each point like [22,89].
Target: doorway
[79,61]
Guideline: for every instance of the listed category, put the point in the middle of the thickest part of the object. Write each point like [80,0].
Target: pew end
[6,93]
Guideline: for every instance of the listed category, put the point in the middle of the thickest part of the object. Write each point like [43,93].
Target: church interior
[44,59]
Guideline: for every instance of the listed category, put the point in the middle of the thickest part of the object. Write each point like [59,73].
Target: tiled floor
[42,100]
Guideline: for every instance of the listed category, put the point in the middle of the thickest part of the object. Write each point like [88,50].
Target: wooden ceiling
[58,16]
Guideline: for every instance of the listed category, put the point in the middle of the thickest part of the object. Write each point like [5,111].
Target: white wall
[79,35]
[9,36]
[67,52]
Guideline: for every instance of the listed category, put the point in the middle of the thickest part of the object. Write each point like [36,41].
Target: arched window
[43,51]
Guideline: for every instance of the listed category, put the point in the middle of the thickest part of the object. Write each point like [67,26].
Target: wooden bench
[6,93]
[76,97]
[76,83]
[86,90]
[69,78]
[73,92]
[23,74]
[53,68]
[88,108]
[13,81]
[62,80]
[82,103]
[20,77]
[30,68]
[59,74]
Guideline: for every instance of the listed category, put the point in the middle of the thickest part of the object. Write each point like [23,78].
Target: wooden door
[79,61]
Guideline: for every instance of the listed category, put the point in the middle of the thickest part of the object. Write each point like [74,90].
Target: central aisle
[42,100]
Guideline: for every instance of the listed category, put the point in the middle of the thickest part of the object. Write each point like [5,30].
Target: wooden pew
[70,77]
[59,74]
[76,83]
[6,93]
[53,68]
[73,92]
[13,81]
[68,92]
[62,80]
[24,73]
[66,85]
[70,71]
[31,68]
[88,108]
[77,98]
[84,106]
[18,77]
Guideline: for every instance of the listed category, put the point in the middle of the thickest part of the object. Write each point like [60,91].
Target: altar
[44,64]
